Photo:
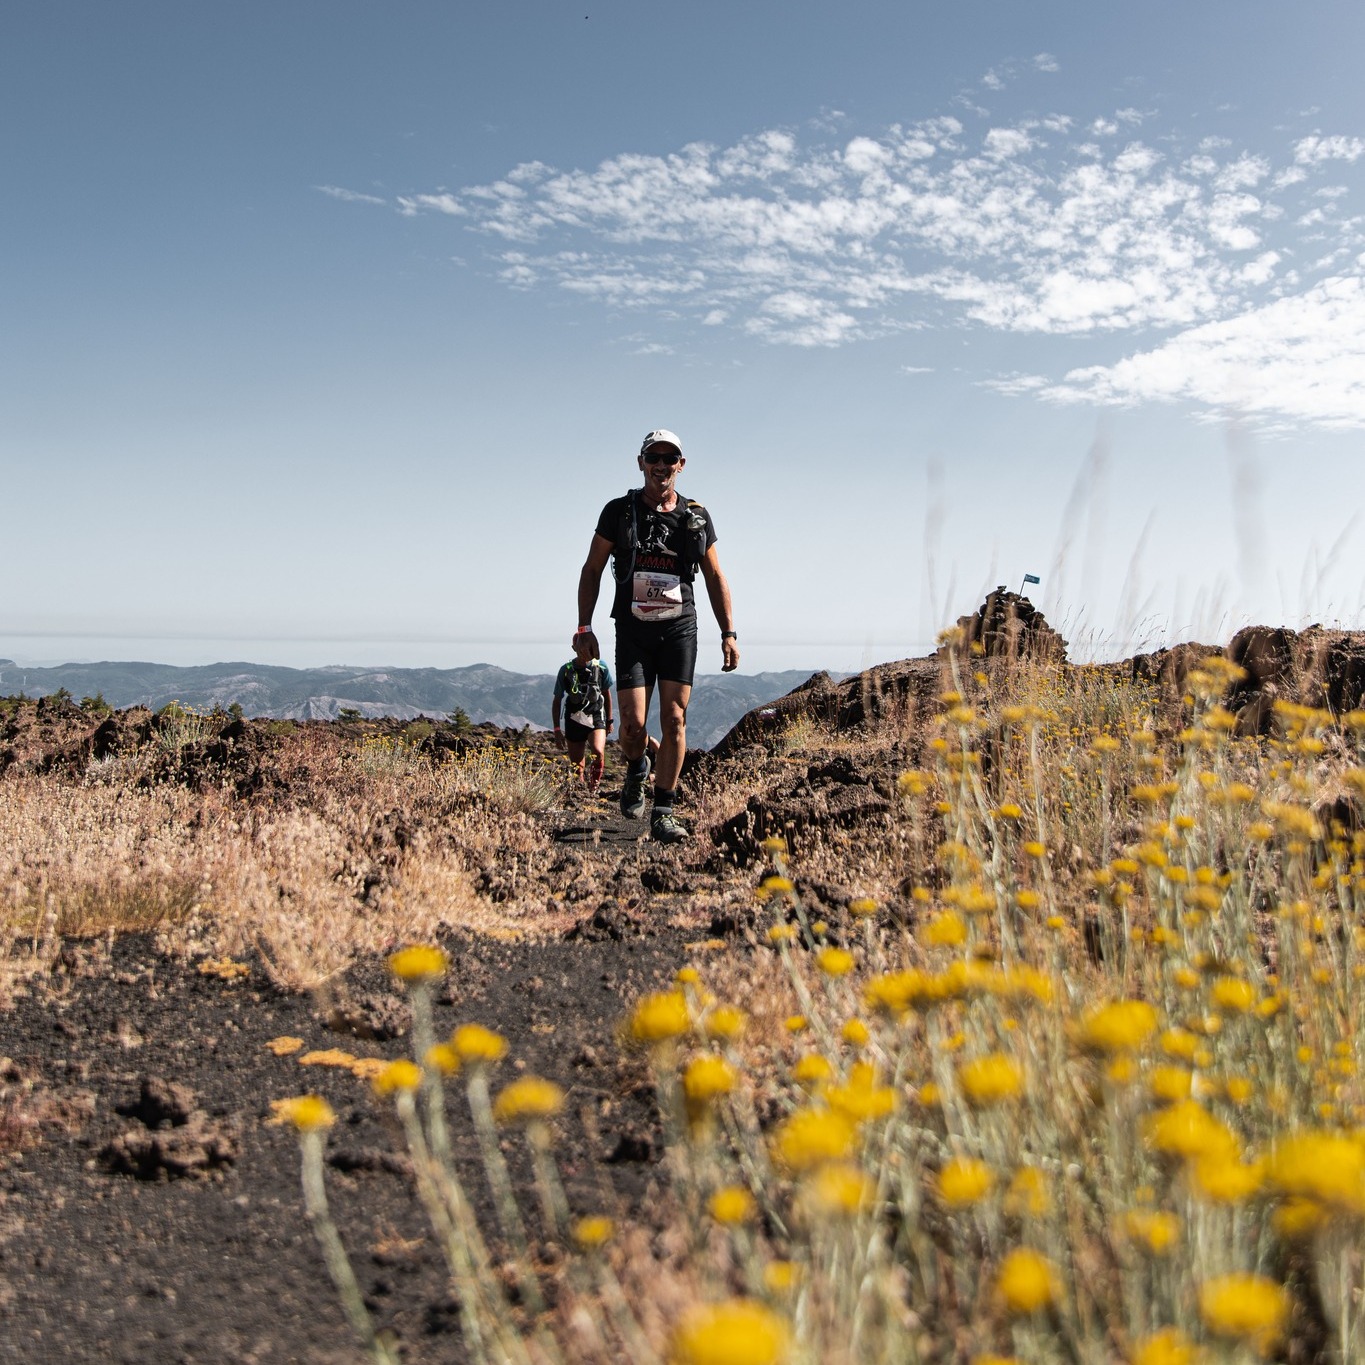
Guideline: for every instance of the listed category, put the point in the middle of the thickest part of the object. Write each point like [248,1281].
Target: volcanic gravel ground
[222,1266]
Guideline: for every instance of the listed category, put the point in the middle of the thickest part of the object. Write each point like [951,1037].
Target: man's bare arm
[718,590]
[590,584]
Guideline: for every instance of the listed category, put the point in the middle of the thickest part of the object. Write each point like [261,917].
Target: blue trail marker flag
[1032,578]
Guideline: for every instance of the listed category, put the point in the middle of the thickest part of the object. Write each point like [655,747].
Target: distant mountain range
[484,692]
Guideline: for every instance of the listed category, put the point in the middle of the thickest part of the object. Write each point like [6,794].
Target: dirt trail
[104,1266]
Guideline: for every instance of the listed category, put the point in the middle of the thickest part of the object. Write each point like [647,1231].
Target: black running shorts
[644,655]
[580,734]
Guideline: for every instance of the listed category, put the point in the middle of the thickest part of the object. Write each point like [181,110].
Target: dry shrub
[368,845]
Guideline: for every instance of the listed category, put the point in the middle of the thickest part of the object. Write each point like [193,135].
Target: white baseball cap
[660,438]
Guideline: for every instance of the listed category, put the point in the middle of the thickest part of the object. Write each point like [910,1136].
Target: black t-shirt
[658,589]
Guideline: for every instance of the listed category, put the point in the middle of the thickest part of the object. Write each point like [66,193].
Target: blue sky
[327,328]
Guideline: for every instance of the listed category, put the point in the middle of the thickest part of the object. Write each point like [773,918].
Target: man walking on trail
[583,689]
[658,541]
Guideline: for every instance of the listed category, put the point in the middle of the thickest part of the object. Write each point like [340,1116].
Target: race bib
[656,596]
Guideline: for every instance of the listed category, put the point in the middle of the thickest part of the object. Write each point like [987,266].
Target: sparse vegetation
[1050,1054]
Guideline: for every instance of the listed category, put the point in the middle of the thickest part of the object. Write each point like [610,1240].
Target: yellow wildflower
[475,1044]
[1155,1229]
[964,1181]
[1176,1042]
[812,1069]
[659,1017]
[1170,1083]
[725,1022]
[1188,1130]
[862,907]
[796,1023]
[397,1077]
[306,1113]
[705,1080]
[1118,1026]
[834,961]
[732,1205]
[811,1137]
[1168,1347]
[839,1188]
[1246,1308]
[781,1277]
[1223,1179]
[862,1099]
[1298,1219]
[420,962]
[897,992]
[1323,1166]
[284,1046]
[443,1058]
[946,930]
[1027,1282]
[527,1099]
[593,1231]
[1028,1196]
[1232,994]
[990,1079]
[737,1332]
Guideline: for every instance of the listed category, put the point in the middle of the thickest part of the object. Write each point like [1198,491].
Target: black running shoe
[633,792]
[666,828]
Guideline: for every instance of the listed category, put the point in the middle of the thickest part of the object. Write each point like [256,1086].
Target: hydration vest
[694,545]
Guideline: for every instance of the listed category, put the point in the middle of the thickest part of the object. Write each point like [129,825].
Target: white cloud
[1313,151]
[1045,61]
[1301,358]
[1007,142]
[1024,229]
[411,205]
[350,196]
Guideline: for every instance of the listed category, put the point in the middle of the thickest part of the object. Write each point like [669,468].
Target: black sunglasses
[662,457]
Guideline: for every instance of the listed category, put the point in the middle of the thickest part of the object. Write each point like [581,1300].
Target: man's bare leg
[595,756]
[673,699]
[632,705]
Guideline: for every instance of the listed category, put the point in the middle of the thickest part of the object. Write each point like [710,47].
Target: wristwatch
[729,635]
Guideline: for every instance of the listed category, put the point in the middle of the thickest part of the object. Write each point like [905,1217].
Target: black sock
[639,765]
[663,799]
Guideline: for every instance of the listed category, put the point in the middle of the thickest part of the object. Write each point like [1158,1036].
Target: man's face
[660,465]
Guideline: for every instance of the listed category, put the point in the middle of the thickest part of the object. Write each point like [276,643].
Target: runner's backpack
[628,538]
[585,701]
